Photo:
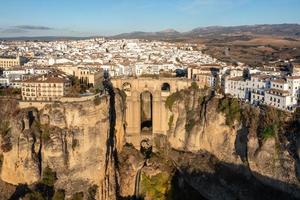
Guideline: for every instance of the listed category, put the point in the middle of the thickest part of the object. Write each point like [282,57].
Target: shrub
[201,100]
[59,195]
[156,187]
[92,191]
[170,121]
[48,177]
[75,143]
[6,145]
[269,131]
[172,99]
[35,196]
[231,108]
[190,120]
[123,95]
[77,196]
[46,134]
[1,161]
[194,86]
[97,100]
[189,125]
[4,128]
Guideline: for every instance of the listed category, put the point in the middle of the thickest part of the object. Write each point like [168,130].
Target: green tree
[59,195]
[48,177]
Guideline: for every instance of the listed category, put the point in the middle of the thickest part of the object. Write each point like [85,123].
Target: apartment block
[49,87]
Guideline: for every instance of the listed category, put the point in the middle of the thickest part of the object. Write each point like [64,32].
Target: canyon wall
[233,132]
[83,143]
[72,139]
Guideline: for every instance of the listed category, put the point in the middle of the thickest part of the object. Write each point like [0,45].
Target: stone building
[86,75]
[50,87]
[8,62]
[89,76]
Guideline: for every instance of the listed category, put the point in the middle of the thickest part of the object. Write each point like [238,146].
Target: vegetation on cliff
[172,99]
[232,110]
[48,177]
[5,135]
[59,195]
[157,186]
[1,161]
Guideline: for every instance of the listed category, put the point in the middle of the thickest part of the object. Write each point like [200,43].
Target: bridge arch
[146,104]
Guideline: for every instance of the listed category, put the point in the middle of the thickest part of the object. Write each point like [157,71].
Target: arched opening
[146,112]
[126,87]
[165,87]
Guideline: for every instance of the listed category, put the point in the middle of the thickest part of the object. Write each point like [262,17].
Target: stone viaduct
[146,114]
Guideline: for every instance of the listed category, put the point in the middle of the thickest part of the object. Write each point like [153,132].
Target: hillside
[290,30]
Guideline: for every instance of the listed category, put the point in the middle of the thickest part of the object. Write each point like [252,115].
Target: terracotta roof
[277,92]
[260,76]
[204,74]
[278,81]
[237,78]
[49,78]
[293,77]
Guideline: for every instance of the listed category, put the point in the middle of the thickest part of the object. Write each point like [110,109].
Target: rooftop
[49,78]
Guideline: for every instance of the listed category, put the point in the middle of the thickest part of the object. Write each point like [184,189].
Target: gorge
[208,147]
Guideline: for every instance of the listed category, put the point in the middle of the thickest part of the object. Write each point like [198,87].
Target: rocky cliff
[261,141]
[71,139]
[216,148]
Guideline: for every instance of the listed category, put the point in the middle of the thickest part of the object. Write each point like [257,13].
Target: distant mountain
[264,29]
[168,33]
[45,38]
[288,30]
[212,31]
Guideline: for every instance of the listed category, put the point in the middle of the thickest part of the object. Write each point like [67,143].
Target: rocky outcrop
[21,164]
[130,161]
[83,143]
[75,143]
[198,124]
[72,139]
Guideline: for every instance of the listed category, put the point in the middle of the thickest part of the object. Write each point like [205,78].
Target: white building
[281,93]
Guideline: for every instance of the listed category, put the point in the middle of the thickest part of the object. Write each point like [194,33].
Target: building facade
[281,93]
[8,62]
[50,87]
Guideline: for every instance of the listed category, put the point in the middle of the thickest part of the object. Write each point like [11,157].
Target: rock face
[70,138]
[130,161]
[197,124]
[83,143]
[76,146]
[22,163]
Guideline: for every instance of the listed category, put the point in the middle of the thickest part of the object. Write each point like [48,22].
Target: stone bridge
[146,114]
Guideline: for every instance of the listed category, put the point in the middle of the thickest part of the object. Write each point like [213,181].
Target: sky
[110,17]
